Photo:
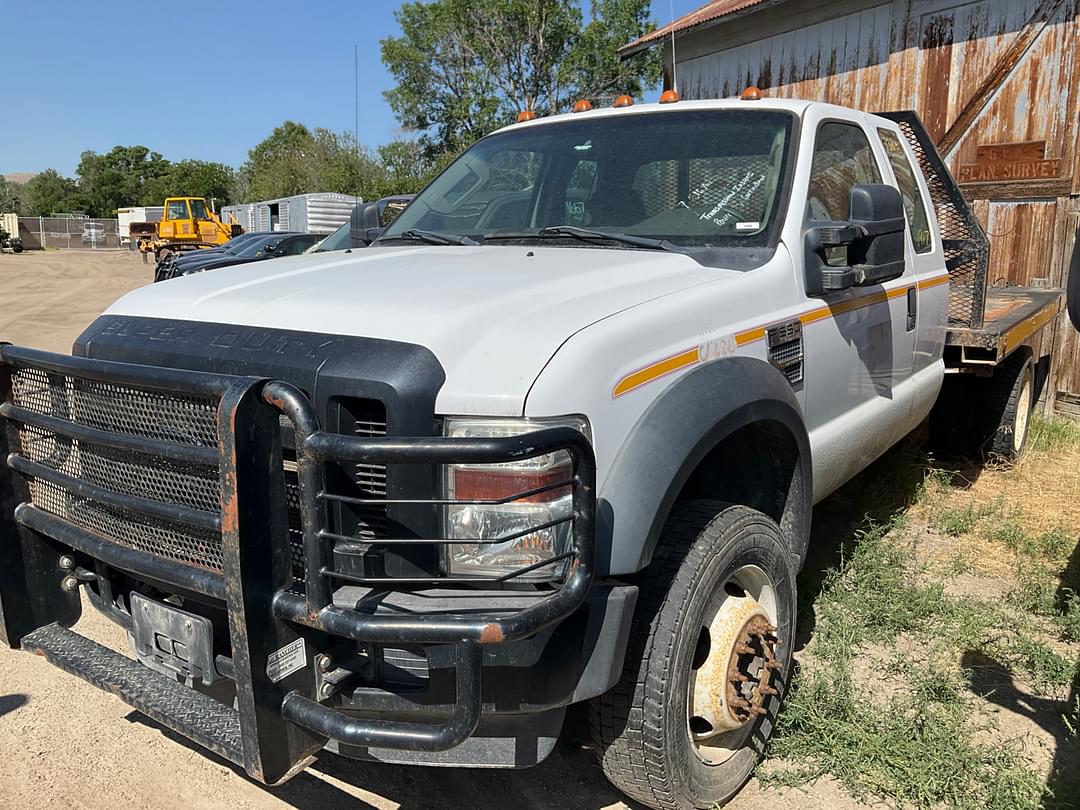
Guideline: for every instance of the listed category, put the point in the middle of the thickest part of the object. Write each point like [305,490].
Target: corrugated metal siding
[321,212]
[326,213]
[980,74]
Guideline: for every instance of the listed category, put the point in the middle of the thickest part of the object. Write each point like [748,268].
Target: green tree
[296,160]
[442,84]
[125,175]
[49,192]
[10,199]
[464,67]
[196,178]
[407,167]
[593,67]
[282,164]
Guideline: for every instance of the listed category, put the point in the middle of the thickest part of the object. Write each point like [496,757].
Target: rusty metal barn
[995,82]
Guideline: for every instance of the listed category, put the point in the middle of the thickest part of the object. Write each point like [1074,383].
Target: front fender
[687,421]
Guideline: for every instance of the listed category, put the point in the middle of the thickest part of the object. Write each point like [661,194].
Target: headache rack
[180,479]
[986,323]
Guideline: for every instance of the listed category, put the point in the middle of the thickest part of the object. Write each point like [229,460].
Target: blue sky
[82,76]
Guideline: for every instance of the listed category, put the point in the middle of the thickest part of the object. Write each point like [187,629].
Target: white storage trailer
[321,212]
[138,213]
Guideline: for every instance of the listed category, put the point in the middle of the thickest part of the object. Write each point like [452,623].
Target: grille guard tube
[467,632]
[314,608]
[401,735]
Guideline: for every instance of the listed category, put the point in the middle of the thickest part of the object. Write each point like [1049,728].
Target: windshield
[338,240]
[198,210]
[253,247]
[702,178]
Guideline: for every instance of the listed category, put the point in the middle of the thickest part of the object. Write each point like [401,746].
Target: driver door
[859,349]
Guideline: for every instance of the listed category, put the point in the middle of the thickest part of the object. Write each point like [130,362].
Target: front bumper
[281,715]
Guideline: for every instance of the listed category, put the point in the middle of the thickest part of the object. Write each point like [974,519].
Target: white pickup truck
[554,438]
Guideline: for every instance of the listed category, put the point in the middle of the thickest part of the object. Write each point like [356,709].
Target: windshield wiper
[435,237]
[589,235]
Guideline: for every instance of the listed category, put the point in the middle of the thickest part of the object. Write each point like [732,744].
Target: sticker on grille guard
[284,662]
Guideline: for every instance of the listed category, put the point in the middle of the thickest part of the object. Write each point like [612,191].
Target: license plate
[172,641]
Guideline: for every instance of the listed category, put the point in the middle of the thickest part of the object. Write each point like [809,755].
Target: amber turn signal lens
[581,105]
[669,96]
[526,115]
[624,101]
[751,93]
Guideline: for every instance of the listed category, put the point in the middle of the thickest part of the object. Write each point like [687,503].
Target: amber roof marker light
[623,101]
[582,105]
[525,115]
[669,96]
[751,93]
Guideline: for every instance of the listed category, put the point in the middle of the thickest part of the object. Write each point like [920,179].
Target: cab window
[198,210]
[177,210]
[918,224]
[842,159]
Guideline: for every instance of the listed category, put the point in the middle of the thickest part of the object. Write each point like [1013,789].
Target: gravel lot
[64,743]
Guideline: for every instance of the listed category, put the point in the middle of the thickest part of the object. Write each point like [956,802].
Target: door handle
[912,305]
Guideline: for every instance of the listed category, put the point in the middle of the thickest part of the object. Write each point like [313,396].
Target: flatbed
[986,324]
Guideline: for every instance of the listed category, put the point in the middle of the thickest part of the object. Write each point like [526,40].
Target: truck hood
[492,315]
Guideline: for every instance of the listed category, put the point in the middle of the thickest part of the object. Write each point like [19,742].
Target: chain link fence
[69,232]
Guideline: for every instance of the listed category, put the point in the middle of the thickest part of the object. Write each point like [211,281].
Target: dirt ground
[64,743]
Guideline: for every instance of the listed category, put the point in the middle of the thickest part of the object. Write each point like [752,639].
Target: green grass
[1053,435]
[918,747]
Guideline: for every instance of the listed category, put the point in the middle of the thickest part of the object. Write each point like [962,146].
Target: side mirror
[364,227]
[867,249]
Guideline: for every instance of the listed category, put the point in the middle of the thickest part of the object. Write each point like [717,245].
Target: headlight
[491,522]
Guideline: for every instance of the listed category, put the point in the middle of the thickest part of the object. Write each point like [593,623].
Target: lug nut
[67,562]
[69,583]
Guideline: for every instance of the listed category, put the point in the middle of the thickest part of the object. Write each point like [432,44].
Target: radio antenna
[674,75]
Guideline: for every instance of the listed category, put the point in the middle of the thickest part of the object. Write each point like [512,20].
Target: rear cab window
[906,179]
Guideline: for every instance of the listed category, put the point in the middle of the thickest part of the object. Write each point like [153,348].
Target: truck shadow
[570,777]
[876,494]
[993,681]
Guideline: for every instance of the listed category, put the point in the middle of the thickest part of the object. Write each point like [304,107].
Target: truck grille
[184,420]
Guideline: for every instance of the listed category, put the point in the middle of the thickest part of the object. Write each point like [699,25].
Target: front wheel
[708,662]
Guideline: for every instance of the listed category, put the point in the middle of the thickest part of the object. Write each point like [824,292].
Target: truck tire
[1072,285]
[1008,406]
[718,600]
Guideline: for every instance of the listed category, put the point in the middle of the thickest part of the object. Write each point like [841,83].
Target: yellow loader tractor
[187,224]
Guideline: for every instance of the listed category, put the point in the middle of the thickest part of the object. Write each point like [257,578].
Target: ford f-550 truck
[553,438]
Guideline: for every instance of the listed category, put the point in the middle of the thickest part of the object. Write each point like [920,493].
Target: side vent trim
[785,341]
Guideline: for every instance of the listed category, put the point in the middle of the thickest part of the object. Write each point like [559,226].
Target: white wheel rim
[736,640]
[1023,412]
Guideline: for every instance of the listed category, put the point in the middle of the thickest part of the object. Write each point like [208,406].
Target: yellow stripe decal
[1025,329]
[655,371]
[690,357]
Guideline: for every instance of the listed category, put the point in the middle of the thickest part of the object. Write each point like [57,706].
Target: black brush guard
[276,726]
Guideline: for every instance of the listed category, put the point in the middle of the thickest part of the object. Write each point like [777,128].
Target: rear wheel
[1008,408]
[708,662]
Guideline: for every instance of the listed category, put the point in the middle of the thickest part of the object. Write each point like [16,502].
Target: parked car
[269,246]
[167,267]
[93,233]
